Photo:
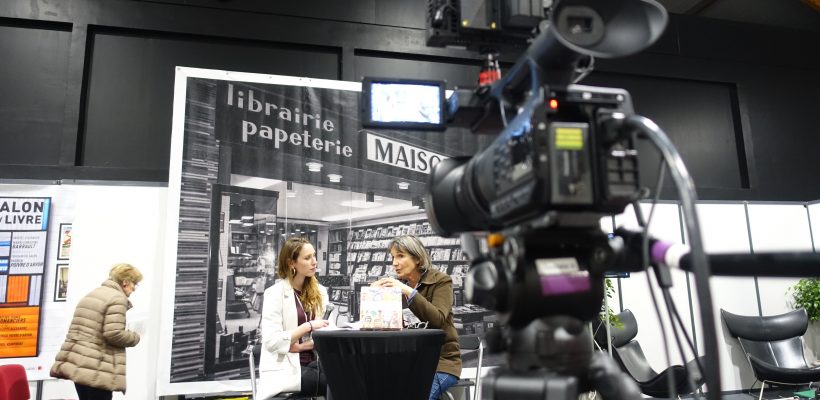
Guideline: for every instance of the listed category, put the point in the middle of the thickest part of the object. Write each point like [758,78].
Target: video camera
[566,158]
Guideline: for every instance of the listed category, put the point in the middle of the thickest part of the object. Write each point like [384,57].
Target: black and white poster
[257,159]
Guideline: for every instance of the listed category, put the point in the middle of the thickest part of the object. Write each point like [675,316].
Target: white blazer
[279,370]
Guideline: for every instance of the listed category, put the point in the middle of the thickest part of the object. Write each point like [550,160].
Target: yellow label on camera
[569,138]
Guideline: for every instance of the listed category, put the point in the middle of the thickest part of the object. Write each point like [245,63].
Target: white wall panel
[637,297]
[814,213]
[778,227]
[110,224]
[123,224]
[723,227]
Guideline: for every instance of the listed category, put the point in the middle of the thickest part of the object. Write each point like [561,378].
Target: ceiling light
[335,178]
[318,192]
[314,166]
[359,204]
[254,182]
[405,206]
[403,185]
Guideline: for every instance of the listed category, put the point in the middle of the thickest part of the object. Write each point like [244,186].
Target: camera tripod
[552,358]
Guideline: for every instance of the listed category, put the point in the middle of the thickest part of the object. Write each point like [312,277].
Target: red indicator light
[553,104]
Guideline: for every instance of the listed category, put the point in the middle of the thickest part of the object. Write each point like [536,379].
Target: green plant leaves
[806,294]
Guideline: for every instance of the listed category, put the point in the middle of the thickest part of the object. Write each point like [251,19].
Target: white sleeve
[275,338]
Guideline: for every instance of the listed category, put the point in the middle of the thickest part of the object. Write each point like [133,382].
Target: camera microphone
[328,309]
[772,264]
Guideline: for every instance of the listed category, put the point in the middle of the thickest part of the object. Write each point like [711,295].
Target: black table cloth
[379,365]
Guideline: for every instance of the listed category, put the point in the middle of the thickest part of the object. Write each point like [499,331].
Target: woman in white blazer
[291,311]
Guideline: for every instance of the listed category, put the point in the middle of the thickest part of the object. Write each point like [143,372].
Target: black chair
[774,347]
[254,352]
[469,342]
[630,356]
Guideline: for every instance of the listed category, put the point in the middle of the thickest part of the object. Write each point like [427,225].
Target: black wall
[86,86]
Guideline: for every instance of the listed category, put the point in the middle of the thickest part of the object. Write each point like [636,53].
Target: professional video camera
[564,159]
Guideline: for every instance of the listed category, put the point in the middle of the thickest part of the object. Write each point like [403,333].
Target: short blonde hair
[123,272]
[411,245]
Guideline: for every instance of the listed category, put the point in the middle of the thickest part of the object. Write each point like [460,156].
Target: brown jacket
[434,304]
[93,353]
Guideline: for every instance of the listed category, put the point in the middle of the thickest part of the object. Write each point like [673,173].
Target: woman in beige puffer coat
[93,354]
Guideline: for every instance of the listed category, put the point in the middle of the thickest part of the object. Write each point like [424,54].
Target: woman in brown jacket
[429,294]
[93,354]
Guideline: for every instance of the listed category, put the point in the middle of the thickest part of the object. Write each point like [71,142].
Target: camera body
[557,154]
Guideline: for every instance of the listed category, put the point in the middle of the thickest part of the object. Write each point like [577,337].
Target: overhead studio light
[314,166]
[335,178]
[403,185]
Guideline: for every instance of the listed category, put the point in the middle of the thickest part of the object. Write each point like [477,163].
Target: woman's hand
[392,282]
[319,323]
[300,347]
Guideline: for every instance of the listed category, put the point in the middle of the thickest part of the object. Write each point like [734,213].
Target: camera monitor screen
[402,103]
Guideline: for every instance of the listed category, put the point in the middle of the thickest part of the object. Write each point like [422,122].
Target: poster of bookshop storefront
[259,162]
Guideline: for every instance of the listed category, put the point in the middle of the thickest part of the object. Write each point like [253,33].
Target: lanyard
[304,313]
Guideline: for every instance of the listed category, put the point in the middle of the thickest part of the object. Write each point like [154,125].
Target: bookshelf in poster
[362,251]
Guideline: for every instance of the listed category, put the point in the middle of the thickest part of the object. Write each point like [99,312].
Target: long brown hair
[310,297]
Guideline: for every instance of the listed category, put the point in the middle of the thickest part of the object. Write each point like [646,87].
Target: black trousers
[90,393]
[313,380]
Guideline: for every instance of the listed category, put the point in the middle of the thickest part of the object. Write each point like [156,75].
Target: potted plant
[806,294]
[609,291]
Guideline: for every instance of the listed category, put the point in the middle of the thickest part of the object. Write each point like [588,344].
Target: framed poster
[23,243]
[64,245]
[61,283]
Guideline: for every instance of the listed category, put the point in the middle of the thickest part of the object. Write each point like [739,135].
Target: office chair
[13,382]
[773,347]
[469,342]
[628,353]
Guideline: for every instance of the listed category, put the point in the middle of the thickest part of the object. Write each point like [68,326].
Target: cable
[665,284]
[584,71]
[645,266]
[671,309]
[673,313]
[700,264]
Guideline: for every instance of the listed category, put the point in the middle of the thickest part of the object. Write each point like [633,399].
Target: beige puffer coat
[93,353]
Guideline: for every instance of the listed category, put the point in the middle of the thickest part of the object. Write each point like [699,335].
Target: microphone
[771,264]
[328,309]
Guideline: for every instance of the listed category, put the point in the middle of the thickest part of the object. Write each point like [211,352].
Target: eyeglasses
[417,325]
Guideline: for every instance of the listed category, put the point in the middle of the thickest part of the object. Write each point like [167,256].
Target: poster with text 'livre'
[23,239]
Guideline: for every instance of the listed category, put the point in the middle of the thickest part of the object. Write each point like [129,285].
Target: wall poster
[256,159]
[64,243]
[23,238]
[61,283]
